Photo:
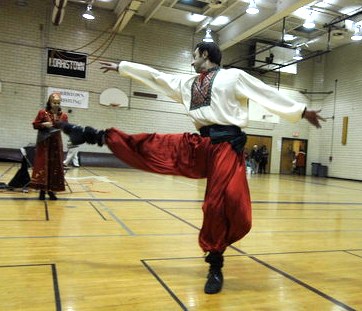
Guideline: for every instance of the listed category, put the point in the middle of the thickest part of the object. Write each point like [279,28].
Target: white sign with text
[72,98]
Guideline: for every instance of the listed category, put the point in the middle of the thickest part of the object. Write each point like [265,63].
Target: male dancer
[216,101]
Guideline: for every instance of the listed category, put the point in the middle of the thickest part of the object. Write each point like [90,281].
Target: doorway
[259,141]
[290,149]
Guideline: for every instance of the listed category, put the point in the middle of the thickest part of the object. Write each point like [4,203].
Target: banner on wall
[67,64]
[71,98]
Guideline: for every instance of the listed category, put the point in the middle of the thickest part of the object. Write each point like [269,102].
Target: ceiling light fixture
[208,36]
[252,8]
[88,14]
[309,21]
[297,55]
[193,17]
[288,37]
[357,36]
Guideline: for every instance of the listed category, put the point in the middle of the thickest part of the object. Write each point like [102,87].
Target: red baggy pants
[227,206]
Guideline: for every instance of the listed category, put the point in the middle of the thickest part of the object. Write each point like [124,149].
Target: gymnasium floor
[122,239]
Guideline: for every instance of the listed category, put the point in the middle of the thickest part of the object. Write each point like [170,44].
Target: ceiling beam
[121,6]
[153,10]
[203,24]
[125,10]
[247,25]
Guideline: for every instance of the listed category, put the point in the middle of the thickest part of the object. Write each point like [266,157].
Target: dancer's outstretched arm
[313,117]
[108,66]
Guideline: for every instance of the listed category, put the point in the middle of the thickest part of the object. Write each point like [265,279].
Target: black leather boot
[79,135]
[52,196]
[215,278]
[42,195]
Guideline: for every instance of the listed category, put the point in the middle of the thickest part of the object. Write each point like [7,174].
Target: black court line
[307,202]
[331,299]
[305,231]
[172,294]
[311,181]
[350,252]
[288,276]
[46,211]
[114,184]
[115,218]
[63,236]
[307,218]
[100,214]
[302,252]
[7,170]
[141,235]
[46,215]
[312,219]
[58,306]
[251,256]
[323,184]
[243,254]
[175,216]
[24,220]
[165,210]
[303,284]
[119,235]
[125,190]
[109,211]
[188,200]
[56,288]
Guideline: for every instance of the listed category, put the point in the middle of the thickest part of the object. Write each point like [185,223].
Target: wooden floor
[121,239]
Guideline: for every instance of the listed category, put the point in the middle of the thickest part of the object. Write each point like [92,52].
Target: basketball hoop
[114,105]
[113,97]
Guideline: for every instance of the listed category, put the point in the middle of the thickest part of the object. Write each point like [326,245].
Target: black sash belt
[225,133]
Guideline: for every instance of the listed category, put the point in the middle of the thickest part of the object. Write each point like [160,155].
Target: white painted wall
[26,32]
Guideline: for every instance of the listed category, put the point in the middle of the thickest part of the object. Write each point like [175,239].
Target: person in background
[255,158]
[48,171]
[264,155]
[294,163]
[247,161]
[216,100]
[300,162]
[72,155]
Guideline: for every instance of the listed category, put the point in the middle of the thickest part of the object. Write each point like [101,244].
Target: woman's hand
[47,124]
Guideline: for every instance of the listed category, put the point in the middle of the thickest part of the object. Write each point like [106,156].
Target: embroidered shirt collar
[205,73]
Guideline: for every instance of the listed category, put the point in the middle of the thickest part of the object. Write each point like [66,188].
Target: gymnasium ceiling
[334,20]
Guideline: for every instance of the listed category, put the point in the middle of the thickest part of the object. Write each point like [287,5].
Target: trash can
[322,171]
[315,168]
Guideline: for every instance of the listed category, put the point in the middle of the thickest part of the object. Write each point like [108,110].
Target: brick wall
[26,33]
